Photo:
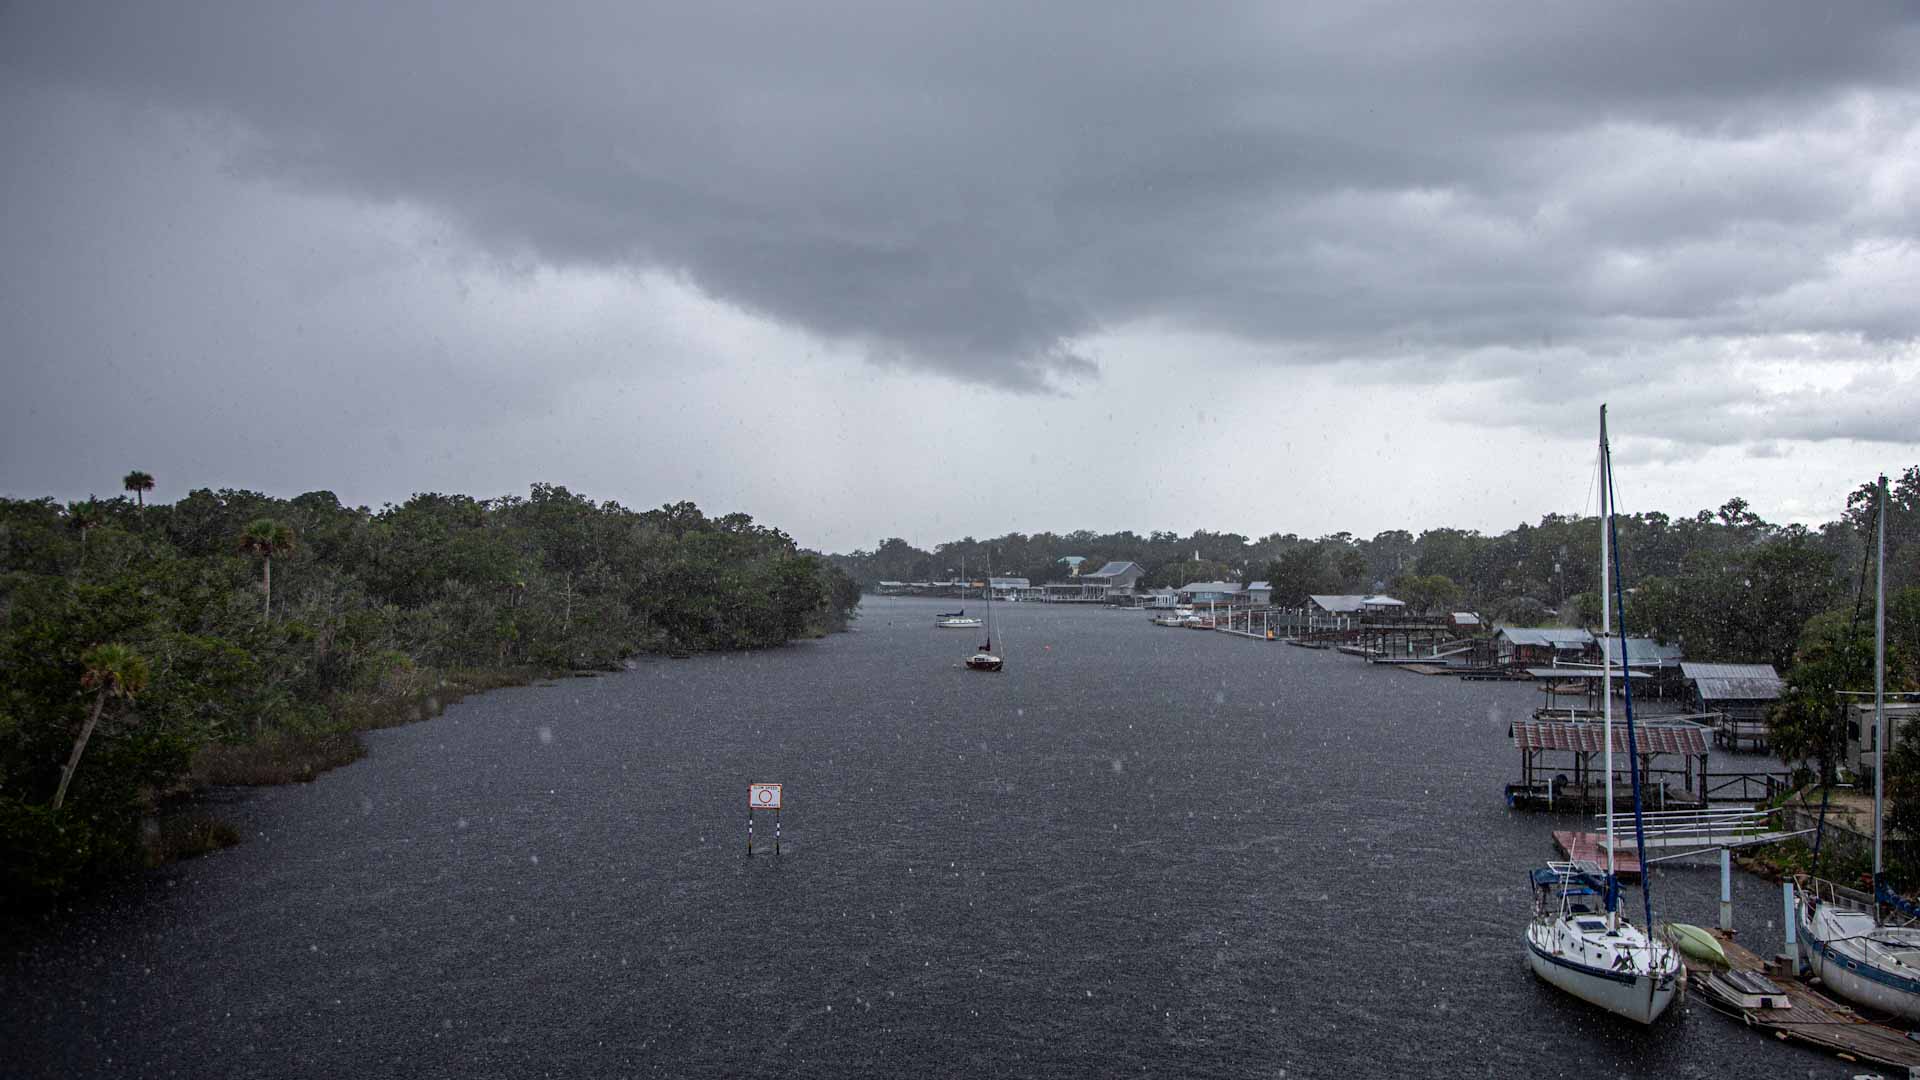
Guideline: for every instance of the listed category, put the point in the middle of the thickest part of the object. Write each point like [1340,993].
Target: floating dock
[1787,1006]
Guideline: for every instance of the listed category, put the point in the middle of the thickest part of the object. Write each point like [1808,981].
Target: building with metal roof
[1695,670]
[1353,605]
[1561,762]
[1740,693]
[1543,646]
[1642,652]
[1211,592]
[1114,572]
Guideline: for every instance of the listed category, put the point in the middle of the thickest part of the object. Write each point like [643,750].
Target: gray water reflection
[1137,851]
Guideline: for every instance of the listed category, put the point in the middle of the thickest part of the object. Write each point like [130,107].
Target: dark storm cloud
[973,191]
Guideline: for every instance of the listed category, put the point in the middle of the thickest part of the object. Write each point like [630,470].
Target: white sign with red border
[763,796]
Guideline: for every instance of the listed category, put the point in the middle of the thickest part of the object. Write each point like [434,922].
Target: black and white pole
[763,797]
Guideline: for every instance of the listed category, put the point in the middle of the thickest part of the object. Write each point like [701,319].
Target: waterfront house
[1203,593]
[1259,593]
[1114,582]
[1010,588]
[1543,646]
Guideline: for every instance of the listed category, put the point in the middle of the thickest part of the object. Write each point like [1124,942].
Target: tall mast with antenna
[1879,680]
[1606,660]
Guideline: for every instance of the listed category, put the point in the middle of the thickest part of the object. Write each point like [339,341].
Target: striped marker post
[763,797]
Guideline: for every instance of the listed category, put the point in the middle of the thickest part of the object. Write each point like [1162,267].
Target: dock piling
[1726,889]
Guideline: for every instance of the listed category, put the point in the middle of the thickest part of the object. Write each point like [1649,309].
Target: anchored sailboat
[1597,955]
[985,659]
[1854,953]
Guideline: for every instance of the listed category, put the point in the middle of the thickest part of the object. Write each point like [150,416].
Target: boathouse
[1561,762]
[1658,660]
[1543,646]
[1738,695]
[1343,612]
[1741,692]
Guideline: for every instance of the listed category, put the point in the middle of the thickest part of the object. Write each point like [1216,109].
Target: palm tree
[266,538]
[139,483]
[111,671]
[85,516]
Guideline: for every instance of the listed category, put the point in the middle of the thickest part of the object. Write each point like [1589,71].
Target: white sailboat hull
[1640,996]
[1836,949]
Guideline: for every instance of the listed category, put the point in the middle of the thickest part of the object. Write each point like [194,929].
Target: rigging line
[1840,716]
[1633,743]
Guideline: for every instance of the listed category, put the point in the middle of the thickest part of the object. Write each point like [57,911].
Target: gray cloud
[973,191]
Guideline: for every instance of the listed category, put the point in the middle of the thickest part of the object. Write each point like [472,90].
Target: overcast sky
[864,270]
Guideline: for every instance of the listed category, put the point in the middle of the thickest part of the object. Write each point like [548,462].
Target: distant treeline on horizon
[1528,573]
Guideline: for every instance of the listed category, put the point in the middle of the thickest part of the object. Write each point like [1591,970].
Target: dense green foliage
[367,608]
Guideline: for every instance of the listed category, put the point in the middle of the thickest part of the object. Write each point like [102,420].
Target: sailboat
[1597,955]
[1847,946]
[985,659]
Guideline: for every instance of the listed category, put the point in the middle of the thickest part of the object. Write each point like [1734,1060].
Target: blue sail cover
[1579,884]
[1894,900]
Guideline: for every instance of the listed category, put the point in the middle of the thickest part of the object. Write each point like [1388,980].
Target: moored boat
[1578,939]
[1843,940]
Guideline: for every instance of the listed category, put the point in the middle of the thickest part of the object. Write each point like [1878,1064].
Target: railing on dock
[1770,786]
[1698,829]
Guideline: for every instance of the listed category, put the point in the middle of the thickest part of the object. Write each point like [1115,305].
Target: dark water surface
[1138,851]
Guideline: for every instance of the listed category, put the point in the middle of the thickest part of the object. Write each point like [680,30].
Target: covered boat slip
[1583,684]
[1561,764]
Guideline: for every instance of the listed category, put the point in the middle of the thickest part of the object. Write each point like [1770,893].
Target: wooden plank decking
[1811,1017]
[1589,847]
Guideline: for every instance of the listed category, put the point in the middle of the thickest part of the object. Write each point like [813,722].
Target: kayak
[1697,943]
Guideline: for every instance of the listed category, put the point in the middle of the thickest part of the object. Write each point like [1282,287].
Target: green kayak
[1697,943]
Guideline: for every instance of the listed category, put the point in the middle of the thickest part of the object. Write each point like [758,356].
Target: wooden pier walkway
[1809,1016]
[1591,847]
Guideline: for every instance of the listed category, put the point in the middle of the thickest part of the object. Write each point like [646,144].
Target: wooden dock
[1591,847]
[1809,1016]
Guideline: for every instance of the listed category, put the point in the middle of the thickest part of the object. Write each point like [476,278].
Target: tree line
[1725,583]
[139,642]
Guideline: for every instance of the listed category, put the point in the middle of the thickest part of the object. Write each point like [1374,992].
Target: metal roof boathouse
[1561,762]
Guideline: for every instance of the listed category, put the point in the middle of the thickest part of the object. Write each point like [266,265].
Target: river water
[1138,851]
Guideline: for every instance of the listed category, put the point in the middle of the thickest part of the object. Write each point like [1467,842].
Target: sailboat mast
[1879,680]
[1606,662]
